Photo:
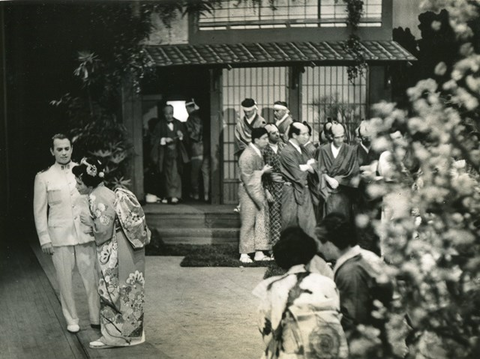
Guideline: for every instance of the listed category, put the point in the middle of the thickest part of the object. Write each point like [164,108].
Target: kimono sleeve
[252,179]
[103,214]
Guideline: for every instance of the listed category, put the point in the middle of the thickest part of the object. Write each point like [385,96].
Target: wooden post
[216,132]
[295,92]
[379,87]
[132,120]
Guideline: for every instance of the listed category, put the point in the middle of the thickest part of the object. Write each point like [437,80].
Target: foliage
[353,45]
[113,52]
[331,106]
[432,243]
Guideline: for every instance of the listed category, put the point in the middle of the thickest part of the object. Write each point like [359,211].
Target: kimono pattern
[121,274]
[297,205]
[243,131]
[344,168]
[254,216]
[299,316]
[276,189]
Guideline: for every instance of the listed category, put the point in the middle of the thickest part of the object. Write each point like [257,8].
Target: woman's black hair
[294,247]
[91,171]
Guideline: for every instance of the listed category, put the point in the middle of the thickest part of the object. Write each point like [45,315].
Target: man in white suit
[58,209]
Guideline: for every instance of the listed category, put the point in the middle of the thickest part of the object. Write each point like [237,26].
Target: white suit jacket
[56,207]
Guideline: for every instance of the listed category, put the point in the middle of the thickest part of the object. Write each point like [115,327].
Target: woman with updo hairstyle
[299,312]
[121,261]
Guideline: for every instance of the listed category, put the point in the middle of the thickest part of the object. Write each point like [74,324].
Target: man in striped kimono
[274,182]
[254,230]
[244,127]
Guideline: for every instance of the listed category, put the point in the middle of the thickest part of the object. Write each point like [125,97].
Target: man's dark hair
[258,132]
[309,127]
[338,230]
[293,130]
[294,247]
[60,136]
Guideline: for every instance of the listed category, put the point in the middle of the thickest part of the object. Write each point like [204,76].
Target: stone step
[197,235]
[193,220]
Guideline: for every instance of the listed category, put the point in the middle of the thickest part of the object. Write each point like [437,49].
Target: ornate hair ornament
[91,169]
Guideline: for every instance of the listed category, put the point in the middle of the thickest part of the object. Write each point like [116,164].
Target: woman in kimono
[299,313]
[121,259]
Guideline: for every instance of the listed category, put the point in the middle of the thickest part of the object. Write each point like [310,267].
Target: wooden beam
[216,128]
[132,120]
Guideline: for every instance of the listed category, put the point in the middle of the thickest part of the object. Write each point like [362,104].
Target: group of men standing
[286,179]
[173,145]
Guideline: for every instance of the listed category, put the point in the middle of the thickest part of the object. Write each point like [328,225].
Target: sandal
[245,258]
[97,344]
[263,259]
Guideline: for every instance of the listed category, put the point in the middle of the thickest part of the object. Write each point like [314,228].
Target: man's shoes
[174,200]
[95,326]
[73,328]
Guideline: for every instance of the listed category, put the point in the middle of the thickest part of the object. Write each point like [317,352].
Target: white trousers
[64,259]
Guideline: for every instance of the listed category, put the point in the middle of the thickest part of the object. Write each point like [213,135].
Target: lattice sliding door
[326,92]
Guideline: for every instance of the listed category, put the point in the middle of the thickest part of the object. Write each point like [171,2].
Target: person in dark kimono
[170,153]
[338,173]
[274,182]
[283,120]
[254,229]
[358,274]
[297,206]
[244,127]
[310,146]
[367,161]
[199,158]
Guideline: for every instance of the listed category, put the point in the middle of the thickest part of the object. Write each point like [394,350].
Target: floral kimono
[299,316]
[121,273]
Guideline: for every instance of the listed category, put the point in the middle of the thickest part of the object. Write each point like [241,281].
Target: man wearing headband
[274,182]
[58,209]
[338,172]
[297,206]
[244,127]
[283,120]
[200,159]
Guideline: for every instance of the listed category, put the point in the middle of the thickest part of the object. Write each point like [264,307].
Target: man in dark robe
[338,173]
[199,156]
[274,182]
[357,274]
[297,206]
[170,153]
[367,161]
[244,127]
